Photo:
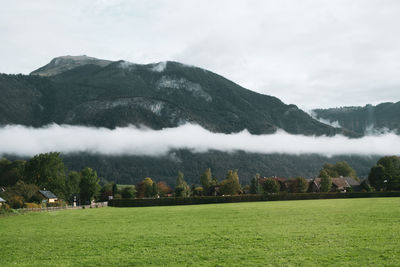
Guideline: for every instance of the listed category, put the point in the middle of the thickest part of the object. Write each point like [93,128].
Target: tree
[128,192]
[231,185]
[145,188]
[182,189]
[154,190]
[326,181]
[26,192]
[386,174]
[271,186]
[11,171]
[47,171]
[72,185]
[340,168]
[164,189]
[255,184]
[206,179]
[298,185]
[89,184]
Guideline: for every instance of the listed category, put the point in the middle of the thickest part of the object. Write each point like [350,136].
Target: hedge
[171,201]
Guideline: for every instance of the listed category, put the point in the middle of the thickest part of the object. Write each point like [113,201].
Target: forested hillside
[159,95]
[364,120]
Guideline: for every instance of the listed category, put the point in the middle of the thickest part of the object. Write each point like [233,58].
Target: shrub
[32,206]
[242,198]
[16,202]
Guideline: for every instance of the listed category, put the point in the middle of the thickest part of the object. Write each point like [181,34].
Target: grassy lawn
[341,232]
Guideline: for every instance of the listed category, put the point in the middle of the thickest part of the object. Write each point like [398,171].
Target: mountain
[86,91]
[364,120]
[64,63]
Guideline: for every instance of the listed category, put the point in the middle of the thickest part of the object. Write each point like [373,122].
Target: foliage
[206,179]
[341,168]
[182,189]
[386,174]
[11,171]
[128,192]
[27,192]
[326,181]
[32,205]
[271,186]
[145,188]
[255,185]
[164,189]
[298,185]
[132,169]
[72,185]
[198,191]
[16,202]
[89,184]
[47,171]
[231,185]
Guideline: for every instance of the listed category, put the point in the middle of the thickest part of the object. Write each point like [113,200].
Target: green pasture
[338,232]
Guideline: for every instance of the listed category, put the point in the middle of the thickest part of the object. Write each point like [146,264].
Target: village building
[339,184]
[48,196]
[2,201]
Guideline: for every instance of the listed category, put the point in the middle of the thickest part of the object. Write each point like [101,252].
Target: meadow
[339,232]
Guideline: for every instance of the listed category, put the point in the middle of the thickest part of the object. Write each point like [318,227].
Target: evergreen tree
[255,185]
[182,189]
[206,179]
[326,181]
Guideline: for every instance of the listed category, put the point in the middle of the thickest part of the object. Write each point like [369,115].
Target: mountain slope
[364,120]
[99,93]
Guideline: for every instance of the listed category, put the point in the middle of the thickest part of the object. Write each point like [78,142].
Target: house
[48,195]
[339,184]
[2,201]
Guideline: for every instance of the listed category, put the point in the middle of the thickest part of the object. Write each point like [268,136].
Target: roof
[338,182]
[2,200]
[47,194]
[352,181]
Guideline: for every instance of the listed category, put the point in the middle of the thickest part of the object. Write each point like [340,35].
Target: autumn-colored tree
[164,189]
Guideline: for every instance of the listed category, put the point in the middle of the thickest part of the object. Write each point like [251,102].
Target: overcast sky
[310,53]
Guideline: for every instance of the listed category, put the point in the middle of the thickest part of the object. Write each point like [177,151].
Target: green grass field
[341,232]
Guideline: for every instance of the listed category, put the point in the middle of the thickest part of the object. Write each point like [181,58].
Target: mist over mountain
[85,91]
[365,120]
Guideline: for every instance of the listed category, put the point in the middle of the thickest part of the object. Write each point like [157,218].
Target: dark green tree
[326,181]
[154,190]
[89,184]
[271,186]
[255,184]
[11,172]
[386,174]
[47,171]
[206,179]
[128,192]
[72,185]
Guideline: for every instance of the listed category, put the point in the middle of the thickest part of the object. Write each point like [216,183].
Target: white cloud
[310,53]
[26,141]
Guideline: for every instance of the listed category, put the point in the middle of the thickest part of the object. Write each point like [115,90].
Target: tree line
[20,180]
